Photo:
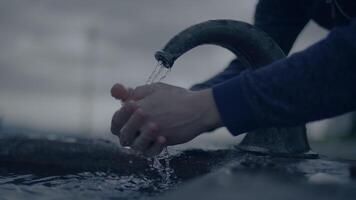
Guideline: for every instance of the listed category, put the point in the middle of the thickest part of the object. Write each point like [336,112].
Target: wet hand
[142,138]
[157,115]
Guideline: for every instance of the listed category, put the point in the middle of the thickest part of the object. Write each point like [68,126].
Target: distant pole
[88,81]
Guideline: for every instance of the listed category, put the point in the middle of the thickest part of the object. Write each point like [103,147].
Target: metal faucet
[254,49]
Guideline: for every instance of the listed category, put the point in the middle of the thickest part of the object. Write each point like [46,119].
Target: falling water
[158,74]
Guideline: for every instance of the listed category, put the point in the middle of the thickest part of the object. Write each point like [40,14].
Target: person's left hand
[157,115]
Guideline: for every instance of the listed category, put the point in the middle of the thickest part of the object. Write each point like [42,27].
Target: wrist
[209,115]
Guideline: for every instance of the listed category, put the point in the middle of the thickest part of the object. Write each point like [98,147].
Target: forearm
[311,85]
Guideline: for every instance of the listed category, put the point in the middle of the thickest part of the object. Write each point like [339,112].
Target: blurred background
[59,59]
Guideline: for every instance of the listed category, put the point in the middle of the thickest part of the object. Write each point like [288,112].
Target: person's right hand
[130,110]
[176,115]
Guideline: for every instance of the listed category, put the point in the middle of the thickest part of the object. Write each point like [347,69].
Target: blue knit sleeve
[316,83]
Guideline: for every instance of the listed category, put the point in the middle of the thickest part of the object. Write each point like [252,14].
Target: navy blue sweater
[317,83]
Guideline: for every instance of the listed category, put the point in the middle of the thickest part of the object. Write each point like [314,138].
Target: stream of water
[165,171]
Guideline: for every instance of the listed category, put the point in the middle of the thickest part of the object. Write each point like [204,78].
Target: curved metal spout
[243,39]
[254,49]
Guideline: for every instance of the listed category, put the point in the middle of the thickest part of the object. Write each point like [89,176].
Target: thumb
[118,91]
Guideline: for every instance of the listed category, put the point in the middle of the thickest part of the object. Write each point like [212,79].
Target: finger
[147,136]
[122,116]
[157,147]
[118,91]
[132,127]
[142,91]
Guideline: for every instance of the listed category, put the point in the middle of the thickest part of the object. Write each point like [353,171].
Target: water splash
[164,170]
[158,74]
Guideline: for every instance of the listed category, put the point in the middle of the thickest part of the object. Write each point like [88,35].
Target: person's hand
[157,115]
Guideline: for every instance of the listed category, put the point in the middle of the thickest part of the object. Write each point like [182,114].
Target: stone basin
[214,174]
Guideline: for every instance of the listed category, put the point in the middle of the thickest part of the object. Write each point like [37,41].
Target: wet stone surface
[262,177]
[43,168]
[51,168]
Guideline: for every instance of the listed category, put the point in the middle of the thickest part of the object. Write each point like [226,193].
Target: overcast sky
[52,52]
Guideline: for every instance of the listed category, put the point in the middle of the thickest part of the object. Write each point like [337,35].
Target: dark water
[30,182]
[78,168]
[42,168]
[18,182]
[81,185]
